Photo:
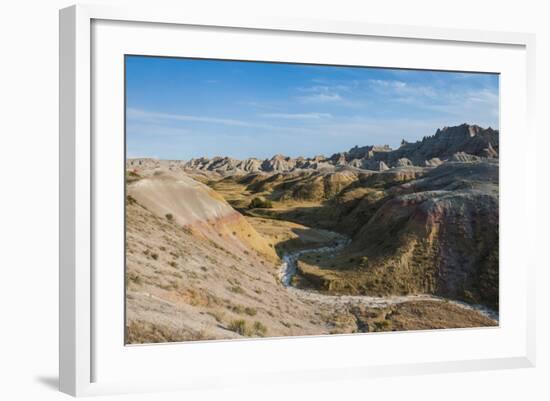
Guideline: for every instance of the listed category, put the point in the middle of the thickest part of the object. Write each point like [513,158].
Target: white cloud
[136,116]
[152,116]
[387,83]
[482,96]
[321,98]
[325,88]
[392,87]
[297,116]
[322,93]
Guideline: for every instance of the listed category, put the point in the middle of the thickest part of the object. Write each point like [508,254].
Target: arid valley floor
[372,239]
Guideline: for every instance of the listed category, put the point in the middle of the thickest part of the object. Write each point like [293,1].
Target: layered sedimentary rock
[446,144]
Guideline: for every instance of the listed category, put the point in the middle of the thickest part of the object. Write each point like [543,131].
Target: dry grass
[187,282]
[242,327]
[141,332]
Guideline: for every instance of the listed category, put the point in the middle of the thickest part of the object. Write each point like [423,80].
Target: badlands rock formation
[431,151]
[421,219]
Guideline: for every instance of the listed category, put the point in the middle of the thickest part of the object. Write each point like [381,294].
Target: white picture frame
[79,315]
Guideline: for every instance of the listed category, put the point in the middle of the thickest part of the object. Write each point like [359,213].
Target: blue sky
[184,108]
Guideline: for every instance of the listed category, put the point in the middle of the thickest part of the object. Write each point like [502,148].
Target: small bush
[260,203]
[216,315]
[155,256]
[364,261]
[384,325]
[259,329]
[239,326]
[237,309]
[169,216]
[250,311]
[236,289]
[134,278]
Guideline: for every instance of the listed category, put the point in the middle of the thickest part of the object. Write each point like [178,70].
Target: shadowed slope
[437,234]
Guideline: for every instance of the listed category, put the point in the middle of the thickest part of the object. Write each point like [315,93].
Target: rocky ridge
[459,143]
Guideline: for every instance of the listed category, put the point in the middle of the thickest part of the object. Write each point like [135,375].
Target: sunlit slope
[195,206]
[182,285]
[197,270]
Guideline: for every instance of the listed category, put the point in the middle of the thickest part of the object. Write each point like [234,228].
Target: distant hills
[457,143]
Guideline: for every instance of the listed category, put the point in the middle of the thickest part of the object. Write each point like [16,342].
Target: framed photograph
[292,199]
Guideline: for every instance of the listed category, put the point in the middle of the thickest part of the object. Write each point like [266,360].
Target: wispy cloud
[297,116]
[392,87]
[387,83]
[477,104]
[324,88]
[257,109]
[321,98]
[136,116]
[322,93]
[483,96]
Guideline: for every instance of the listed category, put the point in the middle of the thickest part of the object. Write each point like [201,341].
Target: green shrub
[384,325]
[237,309]
[259,329]
[250,311]
[169,216]
[134,278]
[236,289]
[260,203]
[239,326]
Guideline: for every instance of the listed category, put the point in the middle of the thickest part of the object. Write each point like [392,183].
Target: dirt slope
[195,206]
[437,234]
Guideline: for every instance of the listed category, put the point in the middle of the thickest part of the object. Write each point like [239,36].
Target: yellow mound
[194,205]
